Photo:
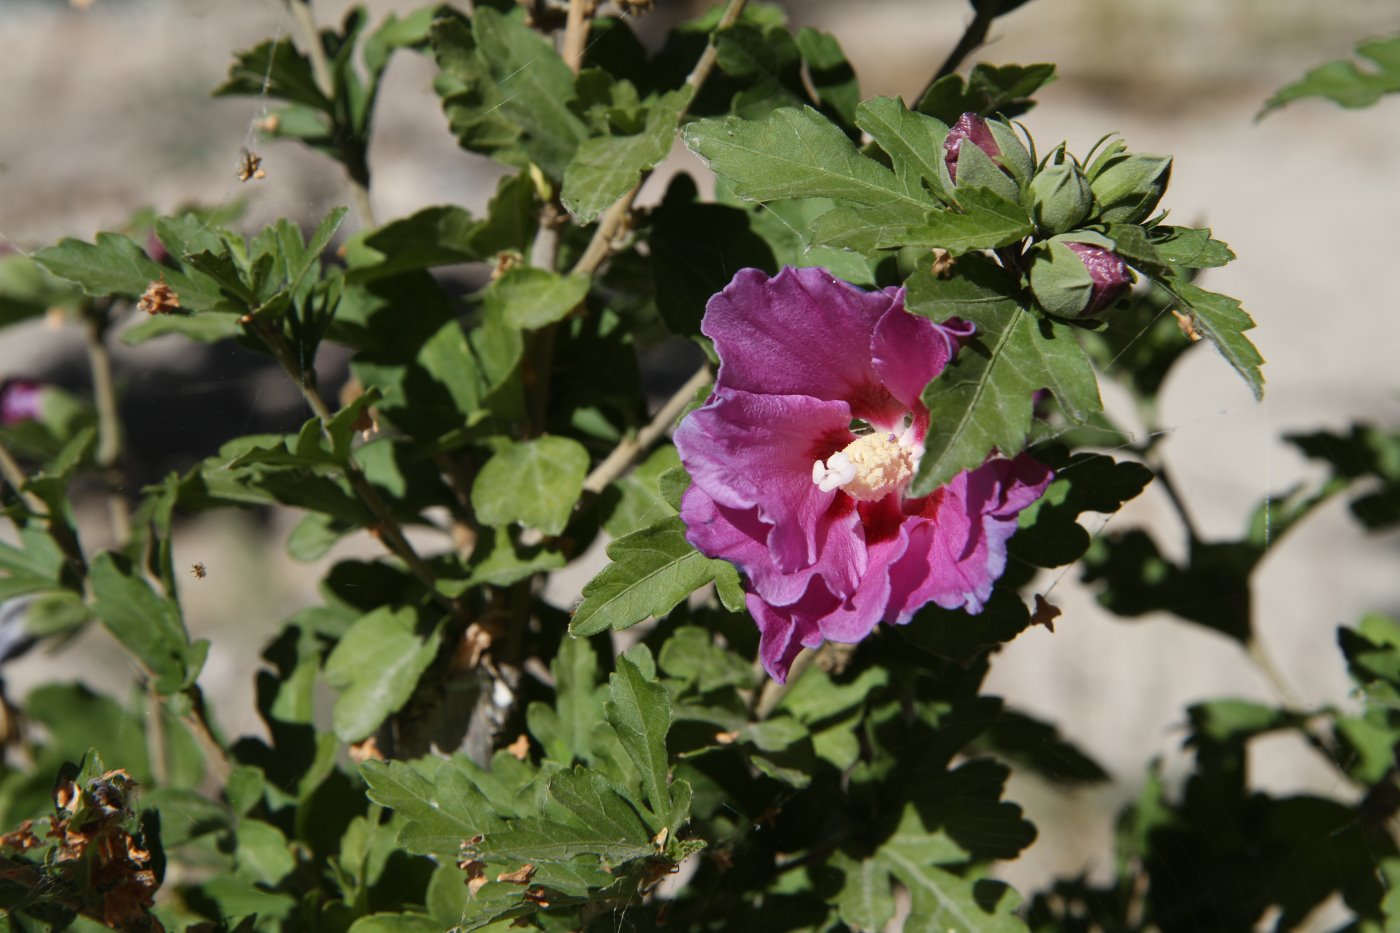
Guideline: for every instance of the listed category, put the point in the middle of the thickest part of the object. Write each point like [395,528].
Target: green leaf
[147,624]
[261,853]
[986,221]
[203,328]
[796,154]
[575,670]
[640,711]
[1050,534]
[635,501]
[397,923]
[599,805]
[1189,248]
[447,234]
[652,570]
[865,901]
[277,69]
[440,805]
[988,89]
[376,666]
[27,290]
[695,250]
[532,87]
[691,656]
[605,168]
[942,902]
[535,483]
[982,400]
[1342,82]
[832,76]
[537,841]
[528,297]
[1222,319]
[113,265]
[913,141]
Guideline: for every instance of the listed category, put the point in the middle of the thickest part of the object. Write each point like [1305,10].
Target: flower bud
[1060,198]
[980,165]
[973,127]
[1077,280]
[20,401]
[1128,187]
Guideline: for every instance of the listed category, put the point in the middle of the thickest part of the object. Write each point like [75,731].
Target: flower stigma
[869,467]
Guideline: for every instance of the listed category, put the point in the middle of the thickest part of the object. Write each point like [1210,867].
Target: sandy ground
[107,110]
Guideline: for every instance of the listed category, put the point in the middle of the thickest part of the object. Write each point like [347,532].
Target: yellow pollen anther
[868,468]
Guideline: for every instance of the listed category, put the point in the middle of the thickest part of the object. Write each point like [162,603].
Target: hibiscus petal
[741,537]
[909,351]
[747,451]
[801,332]
[886,539]
[957,538]
[785,631]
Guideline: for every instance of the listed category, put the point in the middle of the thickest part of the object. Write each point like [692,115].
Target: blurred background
[106,110]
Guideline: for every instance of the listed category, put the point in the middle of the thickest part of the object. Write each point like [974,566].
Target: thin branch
[972,37]
[617,217]
[109,425]
[706,64]
[1178,503]
[576,33]
[315,50]
[387,527]
[159,742]
[12,474]
[631,449]
[197,718]
[1256,652]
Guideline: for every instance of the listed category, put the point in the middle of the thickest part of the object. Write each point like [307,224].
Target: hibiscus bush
[829,424]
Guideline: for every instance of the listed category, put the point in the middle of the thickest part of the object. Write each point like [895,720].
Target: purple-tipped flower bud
[969,126]
[155,248]
[1077,280]
[1109,272]
[19,401]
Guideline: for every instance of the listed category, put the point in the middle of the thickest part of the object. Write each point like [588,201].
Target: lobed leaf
[982,401]
[652,570]
[1342,82]
[1222,319]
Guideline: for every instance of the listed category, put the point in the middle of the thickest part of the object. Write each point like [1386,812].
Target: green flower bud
[1077,279]
[1127,187]
[1059,198]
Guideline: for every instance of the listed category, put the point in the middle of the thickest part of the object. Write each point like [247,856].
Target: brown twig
[576,33]
[617,218]
[197,718]
[12,474]
[109,425]
[631,449]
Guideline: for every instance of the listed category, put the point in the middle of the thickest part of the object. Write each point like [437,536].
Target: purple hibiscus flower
[815,513]
[20,401]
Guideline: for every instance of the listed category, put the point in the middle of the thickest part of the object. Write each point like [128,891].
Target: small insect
[1187,323]
[250,166]
[199,570]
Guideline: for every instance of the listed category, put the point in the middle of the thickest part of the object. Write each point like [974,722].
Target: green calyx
[1059,198]
[1128,186]
[1059,281]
